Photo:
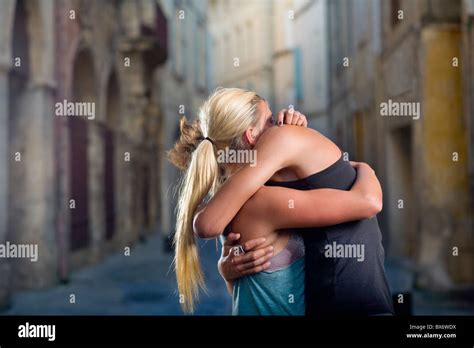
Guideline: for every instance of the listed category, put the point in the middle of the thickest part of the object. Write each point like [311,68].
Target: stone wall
[422,163]
[53,51]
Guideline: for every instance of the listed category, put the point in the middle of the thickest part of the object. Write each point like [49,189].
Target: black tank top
[337,284]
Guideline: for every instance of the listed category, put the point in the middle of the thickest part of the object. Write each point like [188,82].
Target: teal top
[278,292]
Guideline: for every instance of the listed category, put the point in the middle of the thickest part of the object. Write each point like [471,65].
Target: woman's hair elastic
[207,138]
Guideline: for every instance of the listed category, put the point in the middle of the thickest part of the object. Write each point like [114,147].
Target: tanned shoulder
[286,135]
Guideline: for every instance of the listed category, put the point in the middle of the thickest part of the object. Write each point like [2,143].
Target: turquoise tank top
[276,291]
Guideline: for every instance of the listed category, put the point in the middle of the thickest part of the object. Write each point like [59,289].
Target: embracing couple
[300,226]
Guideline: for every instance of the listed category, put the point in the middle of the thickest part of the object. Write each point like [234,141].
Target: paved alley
[140,284]
[144,284]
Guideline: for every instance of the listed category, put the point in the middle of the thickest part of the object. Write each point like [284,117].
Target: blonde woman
[237,119]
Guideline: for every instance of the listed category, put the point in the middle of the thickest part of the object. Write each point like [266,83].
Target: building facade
[408,53]
[183,83]
[300,64]
[467,65]
[77,185]
[268,54]
[242,45]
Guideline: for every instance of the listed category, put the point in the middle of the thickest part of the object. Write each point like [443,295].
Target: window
[250,42]
[184,48]
[179,40]
[394,8]
[288,30]
[196,61]
[298,74]
[209,61]
[225,54]
[240,52]
[173,37]
[216,55]
[200,61]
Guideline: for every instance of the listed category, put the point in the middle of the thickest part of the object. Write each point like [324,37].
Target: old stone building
[468,84]
[300,59]
[408,53]
[27,98]
[242,45]
[183,83]
[77,186]
[272,54]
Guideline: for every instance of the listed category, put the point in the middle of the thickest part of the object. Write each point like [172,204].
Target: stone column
[37,225]
[4,161]
[96,189]
[6,20]
[32,209]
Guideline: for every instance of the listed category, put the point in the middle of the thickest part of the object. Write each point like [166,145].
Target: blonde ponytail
[224,117]
[201,177]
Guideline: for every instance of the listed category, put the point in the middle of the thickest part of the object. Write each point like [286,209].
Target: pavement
[140,284]
[402,280]
[144,284]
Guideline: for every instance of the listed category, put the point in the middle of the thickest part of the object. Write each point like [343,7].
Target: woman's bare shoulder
[292,136]
[291,142]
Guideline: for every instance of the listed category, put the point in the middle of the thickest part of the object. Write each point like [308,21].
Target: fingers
[361,166]
[290,116]
[280,117]
[300,119]
[253,244]
[368,166]
[255,263]
[232,237]
[252,256]
[229,242]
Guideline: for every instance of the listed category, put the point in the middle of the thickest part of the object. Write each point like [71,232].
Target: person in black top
[351,282]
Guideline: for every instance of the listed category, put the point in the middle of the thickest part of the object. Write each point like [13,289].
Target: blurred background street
[88,186]
[140,284]
[144,284]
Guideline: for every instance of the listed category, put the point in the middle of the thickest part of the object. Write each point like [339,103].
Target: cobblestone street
[140,284]
[459,301]
[144,284]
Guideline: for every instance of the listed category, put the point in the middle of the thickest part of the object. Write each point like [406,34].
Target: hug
[277,217]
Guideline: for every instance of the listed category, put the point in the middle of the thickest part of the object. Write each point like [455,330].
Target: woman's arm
[364,201]
[279,207]
[211,219]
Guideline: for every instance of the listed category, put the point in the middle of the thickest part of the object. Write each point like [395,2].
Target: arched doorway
[82,91]
[112,124]
[403,237]
[18,81]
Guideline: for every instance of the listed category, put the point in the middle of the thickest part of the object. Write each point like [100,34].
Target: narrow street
[144,284]
[90,106]
[458,301]
[140,284]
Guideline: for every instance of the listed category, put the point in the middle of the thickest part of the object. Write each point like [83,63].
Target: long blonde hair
[224,117]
